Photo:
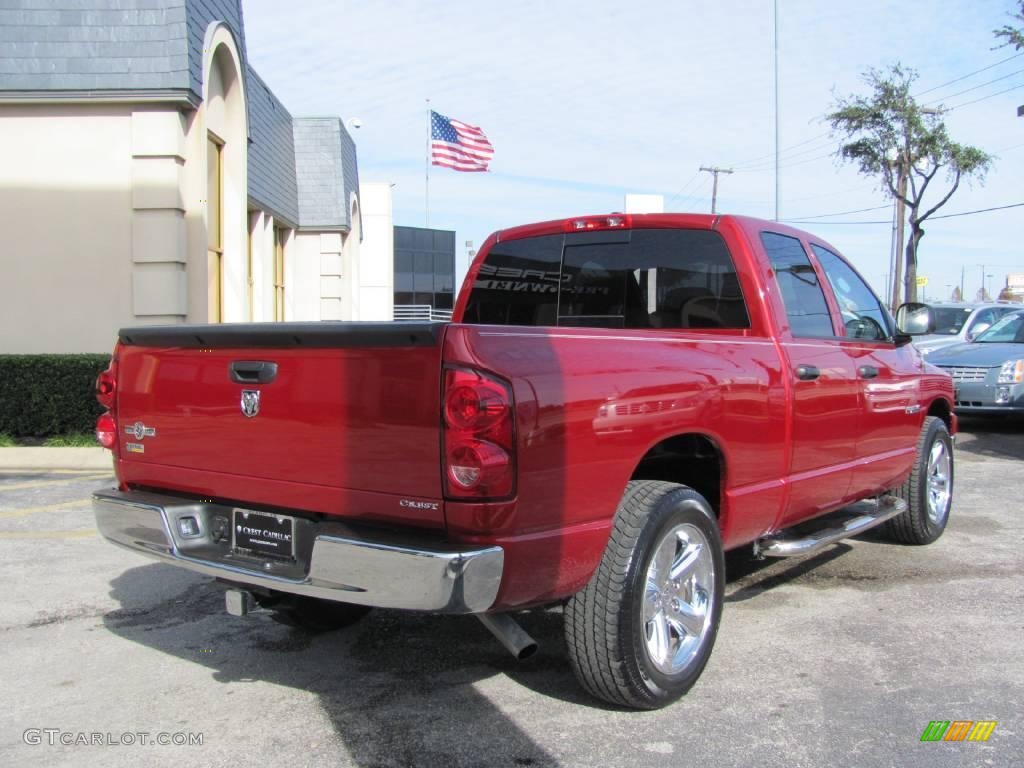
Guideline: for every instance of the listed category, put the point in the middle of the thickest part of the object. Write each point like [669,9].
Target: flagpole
[427,170]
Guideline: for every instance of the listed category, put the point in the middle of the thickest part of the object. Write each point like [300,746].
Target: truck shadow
[992,437]
[399,689]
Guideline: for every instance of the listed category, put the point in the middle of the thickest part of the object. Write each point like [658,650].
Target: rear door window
[798,283]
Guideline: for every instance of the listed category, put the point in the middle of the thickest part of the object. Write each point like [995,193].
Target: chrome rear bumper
[333,561]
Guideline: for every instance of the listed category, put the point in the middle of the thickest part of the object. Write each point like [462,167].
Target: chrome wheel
[940,480]
[678,599]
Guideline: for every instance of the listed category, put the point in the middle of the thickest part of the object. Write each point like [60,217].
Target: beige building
[149,176]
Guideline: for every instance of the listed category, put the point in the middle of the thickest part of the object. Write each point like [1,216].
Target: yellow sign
[922,282]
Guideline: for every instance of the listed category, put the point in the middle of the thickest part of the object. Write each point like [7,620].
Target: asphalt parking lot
[842,659]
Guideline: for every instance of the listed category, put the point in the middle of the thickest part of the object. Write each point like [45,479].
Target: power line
[974,88]
[969,74]
[770,159]
[840,213]
[764,168]
[983,98]
[683,188]
[931,218]
[694,194]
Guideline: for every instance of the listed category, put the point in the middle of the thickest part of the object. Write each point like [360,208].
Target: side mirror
[914,319]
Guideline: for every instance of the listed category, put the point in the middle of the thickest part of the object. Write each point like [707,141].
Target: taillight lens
[479,460]
[106,386]
[106,394]
[106,430]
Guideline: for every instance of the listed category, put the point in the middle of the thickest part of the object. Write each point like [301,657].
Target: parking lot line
[44,483]
[47,534]
[48,508]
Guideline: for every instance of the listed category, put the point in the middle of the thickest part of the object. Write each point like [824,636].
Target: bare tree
[893,138]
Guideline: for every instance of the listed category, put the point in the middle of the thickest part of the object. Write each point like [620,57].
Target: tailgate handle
[253,371]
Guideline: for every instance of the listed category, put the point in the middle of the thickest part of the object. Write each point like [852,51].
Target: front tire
[641,632]
[929,489]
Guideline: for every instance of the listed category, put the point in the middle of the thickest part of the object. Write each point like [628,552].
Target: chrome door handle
[807,372]
[867,372]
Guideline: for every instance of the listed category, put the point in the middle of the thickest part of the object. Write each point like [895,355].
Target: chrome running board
[812,537]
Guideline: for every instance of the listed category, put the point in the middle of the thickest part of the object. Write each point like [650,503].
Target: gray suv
[960,322]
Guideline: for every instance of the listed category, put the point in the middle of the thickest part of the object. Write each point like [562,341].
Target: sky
[585,102]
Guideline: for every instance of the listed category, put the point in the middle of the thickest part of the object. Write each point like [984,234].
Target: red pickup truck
[618,400]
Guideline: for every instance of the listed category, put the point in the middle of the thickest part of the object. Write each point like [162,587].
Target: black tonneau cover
[311,335]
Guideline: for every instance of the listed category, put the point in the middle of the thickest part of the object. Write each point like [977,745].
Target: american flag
[458,146]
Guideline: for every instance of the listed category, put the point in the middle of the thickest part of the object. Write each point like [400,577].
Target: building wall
[424,267]
[376,253]
[108,214]
[70,195]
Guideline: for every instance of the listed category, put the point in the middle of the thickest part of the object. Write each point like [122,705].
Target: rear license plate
[263,532]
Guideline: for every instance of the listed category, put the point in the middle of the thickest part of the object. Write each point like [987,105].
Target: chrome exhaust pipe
[509,634]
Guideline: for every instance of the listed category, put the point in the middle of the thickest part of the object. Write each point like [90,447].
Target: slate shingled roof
[325,163]
[135,48]
[272,183]
[113,46]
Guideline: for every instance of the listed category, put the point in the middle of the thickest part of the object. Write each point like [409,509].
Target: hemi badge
[138,430]
[135,447]
[911,409]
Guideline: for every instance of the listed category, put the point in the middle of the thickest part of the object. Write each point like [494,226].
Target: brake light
[106,394]
[106,430]
[106,385]
[479,448]
[613,221]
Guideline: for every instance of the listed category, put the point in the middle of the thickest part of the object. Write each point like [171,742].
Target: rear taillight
[106,430]
[106,385]
[479,440]
[106,394]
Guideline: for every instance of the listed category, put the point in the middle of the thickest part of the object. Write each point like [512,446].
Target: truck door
[887,376]
[825,392]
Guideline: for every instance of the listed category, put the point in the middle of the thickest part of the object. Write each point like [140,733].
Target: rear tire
[641,632]
[929,489]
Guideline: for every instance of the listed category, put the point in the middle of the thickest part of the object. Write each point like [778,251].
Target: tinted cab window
[805,302]
[862,313]
[644,278]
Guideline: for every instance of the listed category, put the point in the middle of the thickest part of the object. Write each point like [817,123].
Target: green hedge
[45,395]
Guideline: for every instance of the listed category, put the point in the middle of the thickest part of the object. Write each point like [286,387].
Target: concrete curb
[98,459]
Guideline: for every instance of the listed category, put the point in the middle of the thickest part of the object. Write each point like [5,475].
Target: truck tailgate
[345,419]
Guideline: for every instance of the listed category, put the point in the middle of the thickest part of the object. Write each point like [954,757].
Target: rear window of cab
[640,278]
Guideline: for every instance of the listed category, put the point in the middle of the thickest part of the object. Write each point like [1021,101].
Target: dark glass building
[424,267]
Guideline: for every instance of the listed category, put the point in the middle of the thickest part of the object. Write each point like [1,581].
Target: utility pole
[901,189]
[715,170]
